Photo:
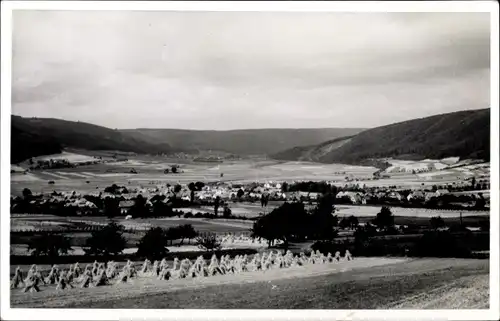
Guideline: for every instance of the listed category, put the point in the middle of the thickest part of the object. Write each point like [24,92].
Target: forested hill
[43,136]
[32,137]
[465,134]
[264,141]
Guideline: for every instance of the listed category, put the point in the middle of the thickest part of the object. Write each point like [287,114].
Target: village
[470,195]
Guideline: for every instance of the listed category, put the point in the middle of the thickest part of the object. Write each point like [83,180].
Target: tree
[111,207]
[240,193]
[187,231]
[199,185]
[113,189]
[344,223]
[161,209]
[322,221]
[153,244]
[172,233]
[208,242]
[174,169]
[177,188]
[284,187]
[108,240]
[353,222]
[437,222]
[264,200]
[216,205]
[286,222]
[27,193]
[139,209]
[226,212]
[192,188]
[49,244]
[384,219]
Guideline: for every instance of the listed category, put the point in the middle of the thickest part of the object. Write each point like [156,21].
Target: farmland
[377,278]
[364,283]
[150,174]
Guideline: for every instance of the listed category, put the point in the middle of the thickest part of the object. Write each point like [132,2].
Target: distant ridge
[44,136]
[465,134]
[243,141]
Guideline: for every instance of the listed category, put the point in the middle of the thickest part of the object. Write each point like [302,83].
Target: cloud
[222,70]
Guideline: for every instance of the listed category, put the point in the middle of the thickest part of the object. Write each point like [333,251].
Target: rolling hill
[243,142]
[465,134]
[44,136]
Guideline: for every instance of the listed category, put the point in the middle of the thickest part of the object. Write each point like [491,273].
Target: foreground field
[364,283]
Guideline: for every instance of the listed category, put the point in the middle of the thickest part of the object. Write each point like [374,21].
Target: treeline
[380,236]
[434,243]
[109,240]
[292,222]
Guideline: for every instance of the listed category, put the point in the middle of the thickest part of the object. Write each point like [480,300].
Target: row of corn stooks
[100,274]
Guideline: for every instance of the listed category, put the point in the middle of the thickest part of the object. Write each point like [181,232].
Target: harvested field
[364,283]
[367,210]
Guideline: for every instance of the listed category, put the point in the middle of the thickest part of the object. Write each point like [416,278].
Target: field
[365,210]
[138,227]
[364,283]
[150,173]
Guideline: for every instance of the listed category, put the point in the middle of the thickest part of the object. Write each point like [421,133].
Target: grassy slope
[465,134]
[313,152]
[244,142]
[365,288]
[44,136]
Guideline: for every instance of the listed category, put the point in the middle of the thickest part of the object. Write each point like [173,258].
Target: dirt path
[144,286]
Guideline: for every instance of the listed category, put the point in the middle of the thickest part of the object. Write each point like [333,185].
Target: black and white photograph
[238,159]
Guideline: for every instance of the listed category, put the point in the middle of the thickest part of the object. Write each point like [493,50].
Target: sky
[238,70]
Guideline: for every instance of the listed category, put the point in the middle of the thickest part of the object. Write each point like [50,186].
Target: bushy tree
[353,222]
[140,208]
[111,207]
[199,185]
[153,244]
[108,240]
[384,219]
[161,209]
[187,231]
[226,212]
[208,242]
[288,221]
[322,221]
[27,193]
[113,189]
[49,244]
[437,222]
[240,193]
